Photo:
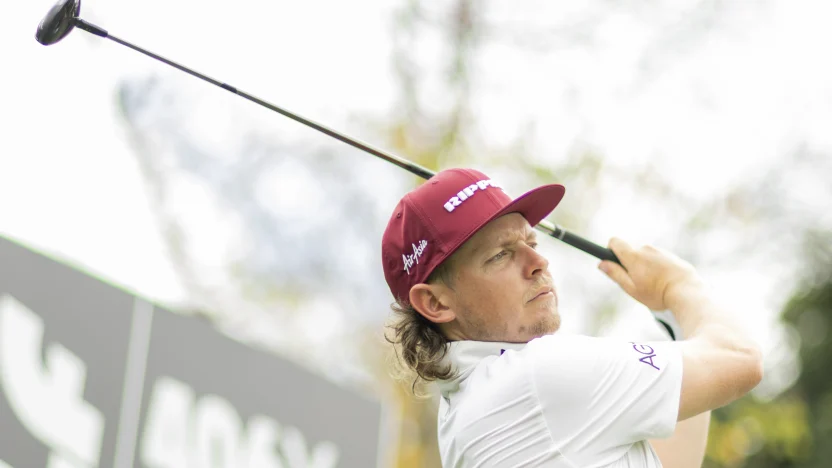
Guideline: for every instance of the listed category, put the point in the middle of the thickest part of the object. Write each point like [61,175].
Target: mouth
[544,293]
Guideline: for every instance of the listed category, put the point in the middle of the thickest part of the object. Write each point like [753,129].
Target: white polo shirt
[561,401]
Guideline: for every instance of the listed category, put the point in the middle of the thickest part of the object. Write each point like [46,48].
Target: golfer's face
[503,289]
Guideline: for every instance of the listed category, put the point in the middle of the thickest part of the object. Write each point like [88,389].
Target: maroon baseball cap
[432,221]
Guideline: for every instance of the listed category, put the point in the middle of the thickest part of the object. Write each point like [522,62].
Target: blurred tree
[787,429]
[276,244]
[810,314]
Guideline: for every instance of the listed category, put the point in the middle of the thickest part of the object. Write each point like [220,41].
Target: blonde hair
[417,341]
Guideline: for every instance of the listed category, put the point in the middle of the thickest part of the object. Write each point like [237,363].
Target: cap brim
[534,205]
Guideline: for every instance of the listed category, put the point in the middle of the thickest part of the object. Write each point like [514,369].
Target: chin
[547,325]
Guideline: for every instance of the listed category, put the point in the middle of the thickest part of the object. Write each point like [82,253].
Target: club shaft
[403,163]
[551,229]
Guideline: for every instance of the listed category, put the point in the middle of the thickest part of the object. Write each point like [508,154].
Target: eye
[498,256]
[533,245]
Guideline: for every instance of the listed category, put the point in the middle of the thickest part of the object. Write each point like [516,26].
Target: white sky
[69,183]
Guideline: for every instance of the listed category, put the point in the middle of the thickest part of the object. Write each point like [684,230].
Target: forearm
[686,447]
[702,318]
[720,360]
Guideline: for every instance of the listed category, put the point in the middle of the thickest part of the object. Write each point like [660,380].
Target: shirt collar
[463,356]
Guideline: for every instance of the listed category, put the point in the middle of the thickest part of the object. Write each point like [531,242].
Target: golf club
[65,15]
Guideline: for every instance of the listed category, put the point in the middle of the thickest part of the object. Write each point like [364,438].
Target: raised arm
[720,362]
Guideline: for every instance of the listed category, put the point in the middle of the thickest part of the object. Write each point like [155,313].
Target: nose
[536,264]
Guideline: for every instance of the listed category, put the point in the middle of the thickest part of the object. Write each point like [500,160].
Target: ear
[430,300]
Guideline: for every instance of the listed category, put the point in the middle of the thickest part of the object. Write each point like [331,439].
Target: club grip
[591,248]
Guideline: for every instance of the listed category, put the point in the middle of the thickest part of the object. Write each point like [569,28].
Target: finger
[622,250]
[619,275]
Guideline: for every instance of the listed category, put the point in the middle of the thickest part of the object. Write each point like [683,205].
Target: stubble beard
[479,330]
[547,325]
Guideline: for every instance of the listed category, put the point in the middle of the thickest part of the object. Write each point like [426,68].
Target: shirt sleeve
[599,394]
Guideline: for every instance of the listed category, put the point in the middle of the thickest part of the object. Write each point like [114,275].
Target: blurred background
[700,126]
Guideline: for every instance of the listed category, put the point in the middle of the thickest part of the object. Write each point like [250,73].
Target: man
[477,312]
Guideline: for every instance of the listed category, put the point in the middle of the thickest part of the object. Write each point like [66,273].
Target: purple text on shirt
[648,353]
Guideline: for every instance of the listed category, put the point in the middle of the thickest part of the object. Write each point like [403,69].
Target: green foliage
[794,430]
[760,434]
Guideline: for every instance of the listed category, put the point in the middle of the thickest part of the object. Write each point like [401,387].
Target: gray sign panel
[63,345]
[91,376]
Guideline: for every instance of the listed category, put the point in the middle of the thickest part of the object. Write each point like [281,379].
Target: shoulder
[600,394]
[562,341]
[562,362]
[571,350]
[583,363]
[550,351]
[568,349]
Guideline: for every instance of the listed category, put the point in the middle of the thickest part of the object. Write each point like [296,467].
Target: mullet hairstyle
[419,342]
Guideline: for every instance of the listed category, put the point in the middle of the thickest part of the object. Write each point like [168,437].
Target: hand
[649,275]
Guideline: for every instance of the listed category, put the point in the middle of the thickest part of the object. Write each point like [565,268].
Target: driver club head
[58,22]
